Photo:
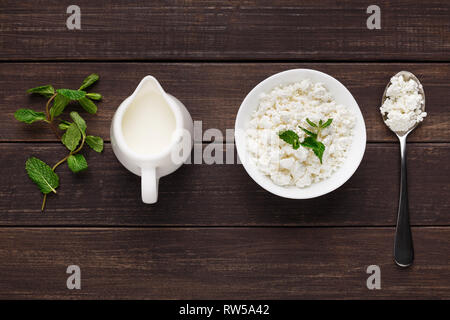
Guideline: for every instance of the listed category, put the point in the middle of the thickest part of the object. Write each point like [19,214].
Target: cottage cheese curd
[286,108]
[403,104]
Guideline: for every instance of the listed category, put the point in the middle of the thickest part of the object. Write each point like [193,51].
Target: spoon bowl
[406,76]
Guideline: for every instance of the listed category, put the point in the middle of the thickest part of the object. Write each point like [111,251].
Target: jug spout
[149,84]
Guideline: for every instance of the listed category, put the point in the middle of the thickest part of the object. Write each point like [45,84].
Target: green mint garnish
[60,102]
[317,147]
[77,163]
[72,94]
[29,116]
[64,125]
[89,80]
[310,141]
[96,143]
[46,91]
[326,124]
[94,96]
[41,174]
[79,121]
[312,124]
[290,137]
[73,138]
[88,105]
[312,134]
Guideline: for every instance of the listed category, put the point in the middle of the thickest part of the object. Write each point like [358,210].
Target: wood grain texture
[214,233]
[220,263]
[213,92]
[217,30]
[222,195]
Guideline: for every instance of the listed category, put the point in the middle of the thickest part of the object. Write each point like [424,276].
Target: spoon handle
[403,248]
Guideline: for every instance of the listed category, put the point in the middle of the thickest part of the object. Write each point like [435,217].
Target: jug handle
[149,185]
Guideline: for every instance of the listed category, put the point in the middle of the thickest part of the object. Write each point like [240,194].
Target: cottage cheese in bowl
[289,101]
[286,108]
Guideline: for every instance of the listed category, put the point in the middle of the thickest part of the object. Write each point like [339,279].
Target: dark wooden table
[214,233]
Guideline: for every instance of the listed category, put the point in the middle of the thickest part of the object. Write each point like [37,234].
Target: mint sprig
[74,136]
[310,141]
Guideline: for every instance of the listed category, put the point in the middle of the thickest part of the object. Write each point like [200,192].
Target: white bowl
[341,96]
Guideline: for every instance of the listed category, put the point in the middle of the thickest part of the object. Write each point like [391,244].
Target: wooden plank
[217,30]
[214,92]
[220,263]
[222,195]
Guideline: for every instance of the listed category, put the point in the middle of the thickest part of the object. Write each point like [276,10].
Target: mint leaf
[71,137]
[326,124]
[312,134]
[59,104]
[311,141]
[89,80]
[72,94]
[290,137]
[94,96]
[319,151]
[312,124]
[79,121]
[46,91]
[64,125]
[41,174]
[95,143]
[29,116]
[317,146]
[88,105]
[77,163]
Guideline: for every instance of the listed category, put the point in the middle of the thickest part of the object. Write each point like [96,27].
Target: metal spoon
[403,246]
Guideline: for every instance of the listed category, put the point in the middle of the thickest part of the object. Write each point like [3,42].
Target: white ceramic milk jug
[151,135]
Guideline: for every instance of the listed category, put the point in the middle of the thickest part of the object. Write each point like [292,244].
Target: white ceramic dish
[341,95]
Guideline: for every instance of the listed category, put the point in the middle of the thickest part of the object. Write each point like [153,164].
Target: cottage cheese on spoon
[286,108]
[402,108]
